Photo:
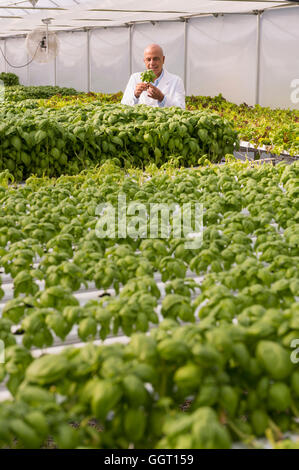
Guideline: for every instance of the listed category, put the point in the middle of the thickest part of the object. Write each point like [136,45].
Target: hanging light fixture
[33,2]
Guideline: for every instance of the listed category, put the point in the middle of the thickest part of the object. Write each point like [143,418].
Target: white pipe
[28,73]
[258,54]
[88,61]
[55,71]
[5,55]
[47,38]
[185,52]
[130,49]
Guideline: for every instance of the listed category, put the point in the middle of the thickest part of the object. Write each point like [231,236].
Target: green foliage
[223,342]
[40,141]
[15,92]
[276,129]
[9,79]
[148,76]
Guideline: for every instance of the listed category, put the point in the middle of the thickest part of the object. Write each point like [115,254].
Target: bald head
[154,48]
[154,58]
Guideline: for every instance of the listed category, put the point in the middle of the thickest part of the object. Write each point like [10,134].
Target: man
[167,90]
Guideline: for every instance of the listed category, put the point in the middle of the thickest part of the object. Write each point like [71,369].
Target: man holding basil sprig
[156,86]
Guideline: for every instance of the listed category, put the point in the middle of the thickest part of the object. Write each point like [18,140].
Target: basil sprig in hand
[148,76]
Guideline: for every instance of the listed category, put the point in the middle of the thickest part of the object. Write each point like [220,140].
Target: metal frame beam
[5,52]
[88,60]
[130,48]
[258,57]
[28,69]
[179,18]
[55,71]
[32,8]
[185,51]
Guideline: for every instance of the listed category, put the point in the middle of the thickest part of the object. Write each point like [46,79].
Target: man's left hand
[155,93]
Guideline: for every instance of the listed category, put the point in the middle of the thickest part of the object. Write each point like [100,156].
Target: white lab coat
[171,86]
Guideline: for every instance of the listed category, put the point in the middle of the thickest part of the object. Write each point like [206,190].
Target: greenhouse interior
[149,225]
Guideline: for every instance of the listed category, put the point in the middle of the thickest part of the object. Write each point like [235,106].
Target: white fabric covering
[109,64]
[280,58]
[17,55]
[222,57]
[71,61]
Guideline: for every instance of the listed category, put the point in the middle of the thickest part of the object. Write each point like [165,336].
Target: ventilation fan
[42,45]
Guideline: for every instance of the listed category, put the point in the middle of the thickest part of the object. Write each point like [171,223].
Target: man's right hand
[140,87]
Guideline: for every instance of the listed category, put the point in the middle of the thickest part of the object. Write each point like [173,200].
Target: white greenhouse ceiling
[20,17]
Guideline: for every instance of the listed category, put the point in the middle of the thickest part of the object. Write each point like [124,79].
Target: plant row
[50,247]
[41,141]
[15,92]
[241,384]
[276,129]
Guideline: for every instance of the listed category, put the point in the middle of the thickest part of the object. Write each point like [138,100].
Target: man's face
[154,60]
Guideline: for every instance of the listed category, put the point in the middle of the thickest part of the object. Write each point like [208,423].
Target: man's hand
[155,93]
[140,87]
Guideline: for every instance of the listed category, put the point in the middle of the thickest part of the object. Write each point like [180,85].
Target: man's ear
[163,59]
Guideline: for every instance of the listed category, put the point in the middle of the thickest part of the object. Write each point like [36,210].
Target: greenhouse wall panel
[279,82]
[42,74]
[109,59]
[170,36]
[222,57]
[17,55]
[71,63]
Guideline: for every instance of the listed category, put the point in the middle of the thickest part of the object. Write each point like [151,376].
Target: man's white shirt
[171,86]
